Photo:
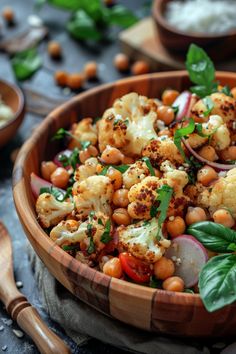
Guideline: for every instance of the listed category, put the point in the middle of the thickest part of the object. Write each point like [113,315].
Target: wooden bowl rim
[159,17]
[40,236]
[21,104]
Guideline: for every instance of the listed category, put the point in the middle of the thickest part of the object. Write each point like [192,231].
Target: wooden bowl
[219,46]
[147,308]
[13,97]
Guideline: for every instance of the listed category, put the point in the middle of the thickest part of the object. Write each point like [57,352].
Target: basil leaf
[26,63]
[105,238]
[121,16]
[209,105]
[82,26]
[213,236]
[71,5]
[181,133]
[217,282]
[200,67]
[57,193]
[149,165]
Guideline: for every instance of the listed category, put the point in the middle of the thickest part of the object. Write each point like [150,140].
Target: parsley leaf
[70,247]
[91,248]
[181,133]
[165,193]
[149,165]
[26,63]
[71,160]
[57,193]
[209,105]
[121,168]
[105,238]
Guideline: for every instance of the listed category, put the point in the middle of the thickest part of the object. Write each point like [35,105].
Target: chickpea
[75,81]
[169,96]
[47,168]
[61,77]
[120,198]
[87,153]
[166,114]
[173,284]
[90,70]
[176,226]
[121,62]
[223,216]
[103,260]
[121,217]
[60,177]
[228,154]
[140,67]
[111,155]
[195,215]
[115,177]
[206,175]
[157,173]
[127,160]
[8,15]
[208,153]
[54,49]
[113,268]
[99,168]
[163,268]
[233,92]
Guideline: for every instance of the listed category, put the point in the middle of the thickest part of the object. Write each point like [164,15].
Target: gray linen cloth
[82,322]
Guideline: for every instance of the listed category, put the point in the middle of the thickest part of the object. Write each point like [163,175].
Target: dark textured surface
[75,55]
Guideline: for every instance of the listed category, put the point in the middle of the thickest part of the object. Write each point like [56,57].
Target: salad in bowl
[145,193]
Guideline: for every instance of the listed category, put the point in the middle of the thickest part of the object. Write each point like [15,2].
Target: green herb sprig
[106,237]
[182,133]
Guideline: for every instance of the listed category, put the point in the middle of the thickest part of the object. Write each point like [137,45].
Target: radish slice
[191,256]
[218,166]
[183,103]
[37,183]
[56,160]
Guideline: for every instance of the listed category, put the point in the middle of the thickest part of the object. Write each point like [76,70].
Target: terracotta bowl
[219,46]
[150,309]
[13,97]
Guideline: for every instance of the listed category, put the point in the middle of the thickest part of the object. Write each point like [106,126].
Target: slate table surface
[75,55]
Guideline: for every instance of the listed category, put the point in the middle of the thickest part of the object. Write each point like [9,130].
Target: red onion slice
[66,152]
[218,166]
[183,103]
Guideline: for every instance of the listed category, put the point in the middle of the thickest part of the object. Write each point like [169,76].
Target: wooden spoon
[19,308]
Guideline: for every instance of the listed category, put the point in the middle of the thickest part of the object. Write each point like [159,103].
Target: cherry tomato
[137,270]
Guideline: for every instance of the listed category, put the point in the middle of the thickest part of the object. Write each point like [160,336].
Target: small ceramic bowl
[219,46]
[13,97]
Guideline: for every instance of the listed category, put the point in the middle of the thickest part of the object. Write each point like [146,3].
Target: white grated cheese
[204,16]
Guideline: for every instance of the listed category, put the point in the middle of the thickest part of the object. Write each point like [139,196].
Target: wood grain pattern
[19,308]
[155,310]
[219,46]
[12,97]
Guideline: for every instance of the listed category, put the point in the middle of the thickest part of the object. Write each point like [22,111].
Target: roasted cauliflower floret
[196,140]
[143,240]
[224,106]
[221,195]
[220,133]
[129,124]
[71,231]
[135,174]
[50,211]
[84,131]
[93,193]
[161,150]
[142,196]
[86,170]
[175,178]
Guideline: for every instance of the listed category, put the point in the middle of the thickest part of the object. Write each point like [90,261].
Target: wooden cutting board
[142,41]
